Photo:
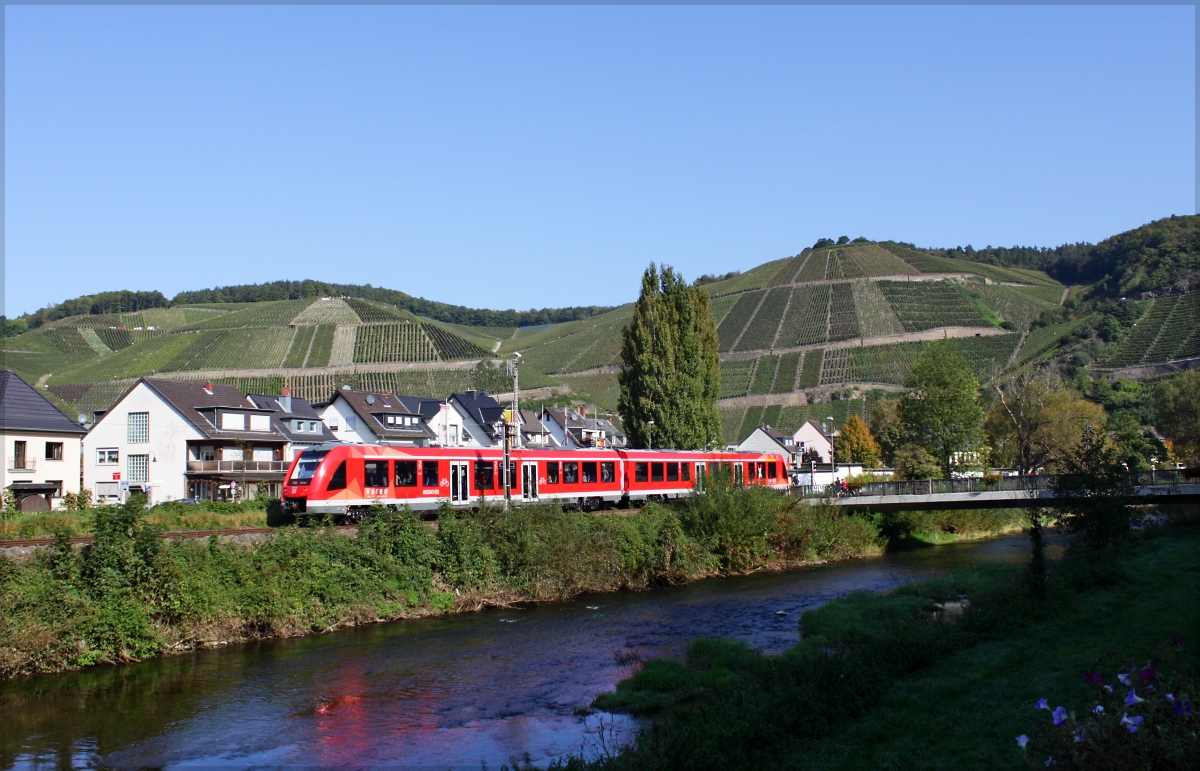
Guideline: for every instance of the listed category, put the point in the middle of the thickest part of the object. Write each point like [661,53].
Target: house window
[589,473]
[54,450]
[260,422]
[57,493]
[406,473]
[570,473]
[485,475]
[312,427]
[552,472]
[137,427]
[429,473]
[333,425]
[375,473]
[233,421]
[137,467]
[454,435]
[641,472]
[338,480]
[351,423]
[108,456]
[656,472]
[607,472]
[672,472]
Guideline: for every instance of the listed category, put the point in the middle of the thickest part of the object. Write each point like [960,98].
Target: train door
[737,474]
[459,492]
[529,481]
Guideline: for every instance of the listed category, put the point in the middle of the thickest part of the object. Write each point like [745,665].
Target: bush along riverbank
[975,670]
[208,515]
[132,595]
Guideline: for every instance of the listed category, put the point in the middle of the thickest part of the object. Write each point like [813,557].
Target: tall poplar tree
[671,372]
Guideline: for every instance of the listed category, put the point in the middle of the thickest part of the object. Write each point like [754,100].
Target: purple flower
[1022,740]
[1094,678]
[1050,762]
[1124,678]
[1132,723]
[1170,698]
[1042,704]
[1099,710]
[1132,698]
[1180,707]
[1059,715]
[1149,673]
[1108,688]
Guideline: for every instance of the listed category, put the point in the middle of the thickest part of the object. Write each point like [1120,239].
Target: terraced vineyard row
[322,346]
[392,342]
[331,310]
[874,312]
[814,269]
[787,272]
[233,349]
[928,263]
[1015,306]
[93,340]
[807,319]
[871,260]
[735,321]
[928,305]
[761,331]
[788,374]
[278,313]
[451,347]
[810,375]
[843,318]
[342,352]
[764,375]
[1168,331]
[841,265]
[374,312]
[301,341]
[735,377]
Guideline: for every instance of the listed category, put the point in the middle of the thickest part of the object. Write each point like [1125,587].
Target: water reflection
[433,693]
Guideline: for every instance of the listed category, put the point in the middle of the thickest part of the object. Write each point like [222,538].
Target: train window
[672,472]
[429,473]
[305,468]
[607,473]
[485,474]
[772,472]
[700,475]
[713,468]
[656,472]
[737,474]
[511,480]
[685,471]
[338,480]
[406,473]
[375,473]
[762,470]
[641,472]
[589,472]
[570,473]
[552,472]
[750,470]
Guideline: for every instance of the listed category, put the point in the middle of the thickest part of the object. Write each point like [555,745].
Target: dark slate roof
[531,423]
[373,408]
[424,406]
[23,408]
[481,408]
[778,435]
[281,419]
[575,424]
[192,401]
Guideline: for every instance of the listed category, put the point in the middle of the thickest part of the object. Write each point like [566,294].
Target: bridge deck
[1002,499]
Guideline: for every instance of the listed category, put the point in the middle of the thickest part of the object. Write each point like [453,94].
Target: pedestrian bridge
[1008,492]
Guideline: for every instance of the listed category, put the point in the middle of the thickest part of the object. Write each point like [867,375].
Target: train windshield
[307,466]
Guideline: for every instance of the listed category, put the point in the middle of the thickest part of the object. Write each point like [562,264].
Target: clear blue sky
[543,156]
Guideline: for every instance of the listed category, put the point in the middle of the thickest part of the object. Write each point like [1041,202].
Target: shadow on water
[445,692]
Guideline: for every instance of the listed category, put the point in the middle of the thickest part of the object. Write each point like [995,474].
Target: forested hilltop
[125,301]
[1162,257]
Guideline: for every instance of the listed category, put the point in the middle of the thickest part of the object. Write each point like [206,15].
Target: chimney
[208,387]
[285,399]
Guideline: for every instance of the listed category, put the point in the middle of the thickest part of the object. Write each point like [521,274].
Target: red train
[344,480]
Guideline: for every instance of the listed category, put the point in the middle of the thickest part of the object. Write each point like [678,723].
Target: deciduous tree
[671,371]
[855,444]
[1177,402]
[1036,420]
[941,410]
[913,461]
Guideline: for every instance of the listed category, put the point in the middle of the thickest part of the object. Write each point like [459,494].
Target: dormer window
[233,421]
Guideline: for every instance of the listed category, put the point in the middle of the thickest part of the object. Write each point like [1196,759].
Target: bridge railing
[1004,484]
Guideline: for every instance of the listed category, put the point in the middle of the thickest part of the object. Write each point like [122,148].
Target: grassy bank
[946,674]
[167,516]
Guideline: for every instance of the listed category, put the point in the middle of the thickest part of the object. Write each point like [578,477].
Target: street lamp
[650,423]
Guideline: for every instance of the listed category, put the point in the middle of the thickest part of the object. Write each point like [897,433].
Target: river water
[450,692]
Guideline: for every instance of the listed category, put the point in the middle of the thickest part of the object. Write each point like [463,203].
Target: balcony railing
[21,464]
[237,466]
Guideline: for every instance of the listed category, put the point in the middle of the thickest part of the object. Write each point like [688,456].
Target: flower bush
[1144,717]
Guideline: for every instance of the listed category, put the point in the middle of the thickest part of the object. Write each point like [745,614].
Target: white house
[367,417]
[174,439]
[445,423]
[41,446]
[573,429]
[482,418]
[811,436]
[767,439]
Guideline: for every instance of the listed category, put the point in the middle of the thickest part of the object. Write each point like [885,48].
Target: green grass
[878,683]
